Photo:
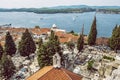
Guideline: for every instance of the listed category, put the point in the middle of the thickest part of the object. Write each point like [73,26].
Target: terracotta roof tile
[102,40]
[63,40]
[65,37]
[40,30]
[51,73]
[2,43]
[40,73]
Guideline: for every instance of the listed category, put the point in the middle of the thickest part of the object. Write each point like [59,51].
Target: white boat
[74,19]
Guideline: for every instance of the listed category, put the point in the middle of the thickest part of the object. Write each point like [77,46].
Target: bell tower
[56,61]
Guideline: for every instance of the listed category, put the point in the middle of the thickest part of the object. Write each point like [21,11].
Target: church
[55,72]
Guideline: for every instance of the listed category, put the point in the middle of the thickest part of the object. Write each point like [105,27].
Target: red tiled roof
[2,43]
[65,37]
[40,30]
[51,73]
[63,40]
[102,40]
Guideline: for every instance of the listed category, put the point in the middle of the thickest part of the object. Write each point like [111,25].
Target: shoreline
[62,34]
[98,12]
[13,27]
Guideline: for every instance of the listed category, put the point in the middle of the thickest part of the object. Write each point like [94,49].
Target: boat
[41,18]
[74,19]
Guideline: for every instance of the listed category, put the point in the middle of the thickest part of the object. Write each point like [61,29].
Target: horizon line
[59,6]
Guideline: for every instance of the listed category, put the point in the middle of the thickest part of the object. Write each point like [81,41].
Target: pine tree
[26,45]
[47,50]
[7,67]
[1,51]
[93,33]
[115,39]
[80,42]
[10,47]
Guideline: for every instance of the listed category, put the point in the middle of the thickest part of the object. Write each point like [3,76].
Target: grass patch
[90,65]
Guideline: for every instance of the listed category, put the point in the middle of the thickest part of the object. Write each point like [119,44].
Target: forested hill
[85,6]
[49,10]
[67,9]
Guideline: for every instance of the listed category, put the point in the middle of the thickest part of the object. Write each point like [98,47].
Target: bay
[69,21]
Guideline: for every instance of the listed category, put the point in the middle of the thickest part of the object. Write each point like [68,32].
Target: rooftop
[51,73]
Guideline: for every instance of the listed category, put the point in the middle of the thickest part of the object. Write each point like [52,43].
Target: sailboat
[74,19]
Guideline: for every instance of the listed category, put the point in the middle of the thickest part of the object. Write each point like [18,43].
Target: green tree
[80,42]
[26,45]
[1,51]
[7,67]
[47,50]
[70,45]
[43,56]
[37,26]
[54,44]
[93,33]
[40,42]
[10,47]
[90,65]
[115,39]
[72,32]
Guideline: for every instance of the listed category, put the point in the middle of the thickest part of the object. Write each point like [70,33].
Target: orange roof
[65,37]
[45,29]
[51,73]
[102,40]
[63,40]
[40,30]
[60,33]
[13,30]
[2,43]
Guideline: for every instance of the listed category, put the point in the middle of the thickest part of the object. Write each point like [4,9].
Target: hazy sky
[49,3]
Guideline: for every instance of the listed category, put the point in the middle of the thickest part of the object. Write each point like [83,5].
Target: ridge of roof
[71,74]
[44,70]
[51,73]
[67,74]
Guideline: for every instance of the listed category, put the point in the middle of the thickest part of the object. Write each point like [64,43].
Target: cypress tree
[80,42]
[26,45]
[54,41]
[10,47]
[93,33]
[7,67]
[47,50]
[1,51]
[40,42]
[115,39]
[43,56]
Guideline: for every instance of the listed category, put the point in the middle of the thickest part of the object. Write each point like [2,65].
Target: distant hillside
[72,7]
[105,7]
[49,10]
[85,6]
[67,9]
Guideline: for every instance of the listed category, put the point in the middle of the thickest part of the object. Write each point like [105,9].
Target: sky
[51,3]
